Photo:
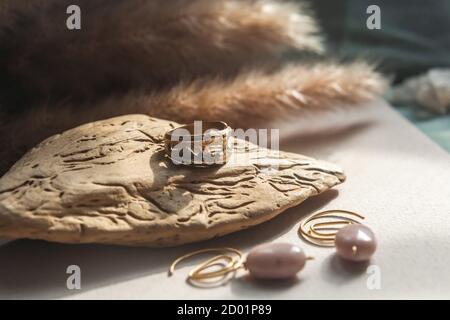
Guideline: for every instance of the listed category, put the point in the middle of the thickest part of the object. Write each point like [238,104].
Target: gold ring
[198,144]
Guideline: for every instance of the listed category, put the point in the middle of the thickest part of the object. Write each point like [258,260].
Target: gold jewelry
[321,228]
[198,144]
[267,261]
[343,230]
[196,276]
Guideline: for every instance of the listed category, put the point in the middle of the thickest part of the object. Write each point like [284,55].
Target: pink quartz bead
[275,261]
[355,242]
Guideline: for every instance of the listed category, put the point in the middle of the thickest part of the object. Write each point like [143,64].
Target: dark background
[414,34]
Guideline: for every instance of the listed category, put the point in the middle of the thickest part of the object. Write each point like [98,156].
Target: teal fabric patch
[437,127]
[413,37]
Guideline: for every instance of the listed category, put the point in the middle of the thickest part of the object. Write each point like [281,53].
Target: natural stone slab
[110,182]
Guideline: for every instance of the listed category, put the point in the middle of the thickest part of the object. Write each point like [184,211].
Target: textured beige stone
[110,182]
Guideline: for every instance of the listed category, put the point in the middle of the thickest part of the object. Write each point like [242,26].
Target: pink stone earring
[341,229]
[267,261]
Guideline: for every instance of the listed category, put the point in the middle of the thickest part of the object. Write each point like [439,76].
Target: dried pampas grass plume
[256,98]
[250,100]
[126,44]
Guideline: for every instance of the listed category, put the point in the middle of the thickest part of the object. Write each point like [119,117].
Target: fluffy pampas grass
[125,44]
[251,99]
[178,60]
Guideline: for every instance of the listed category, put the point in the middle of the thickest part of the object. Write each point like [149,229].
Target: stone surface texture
[110,182]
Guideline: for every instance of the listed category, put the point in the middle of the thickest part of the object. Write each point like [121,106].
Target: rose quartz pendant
[275,261]
[355,242]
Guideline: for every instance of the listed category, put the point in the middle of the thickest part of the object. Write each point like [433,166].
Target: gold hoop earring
[266,261]
[341,229]
[311,228]
[197,275]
